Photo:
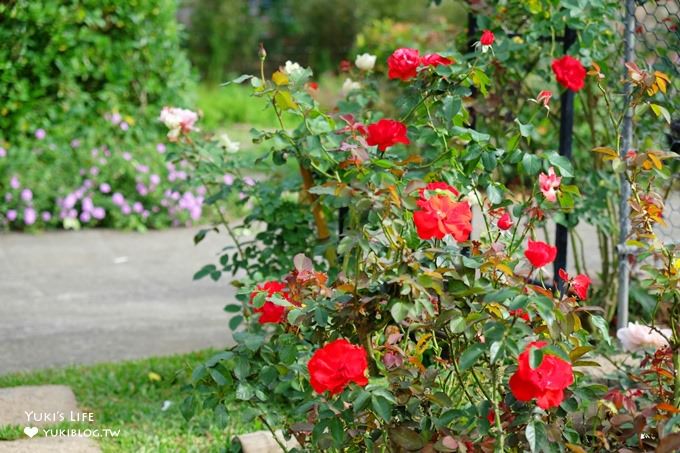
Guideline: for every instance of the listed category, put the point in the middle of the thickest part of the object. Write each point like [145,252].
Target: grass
[123,396]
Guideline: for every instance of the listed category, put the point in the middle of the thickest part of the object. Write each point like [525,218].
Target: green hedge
[61,61]
[82,83]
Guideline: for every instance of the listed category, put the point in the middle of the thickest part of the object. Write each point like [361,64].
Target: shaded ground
[99,295]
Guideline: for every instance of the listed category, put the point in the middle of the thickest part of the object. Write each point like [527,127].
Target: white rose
[292,68]
[365,61]
[636,337]
[349,86]
[229,145]
[178,121]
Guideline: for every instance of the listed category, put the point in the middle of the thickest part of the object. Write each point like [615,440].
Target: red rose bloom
[546,383]
[386,133]
[403,64]
[271,312]
[569,72]
[539,253]
[580,285]
[437,187]
[487,38]
[440,215]
[505,222]
[345,66]
[337,364]
[519,313]
[434,59]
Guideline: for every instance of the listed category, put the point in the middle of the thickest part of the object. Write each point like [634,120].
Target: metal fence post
[624,208]
[566,131]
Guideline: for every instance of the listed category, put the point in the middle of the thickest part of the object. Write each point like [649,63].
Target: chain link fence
[651,36]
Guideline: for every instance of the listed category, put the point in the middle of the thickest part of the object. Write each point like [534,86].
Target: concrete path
[100,296]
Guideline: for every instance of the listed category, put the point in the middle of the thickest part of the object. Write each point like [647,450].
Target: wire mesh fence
[651,39]
[657,38]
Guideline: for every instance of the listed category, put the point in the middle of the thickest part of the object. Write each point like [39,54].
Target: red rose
[337,364]
[487,38]
[580,285]
[345,66]
[519,313]
[386,133]
[403,64]
[435,188]
[505,222]
[545,383]
[440,215]
[539,253]
[569,72]
[271,312]
[434,59]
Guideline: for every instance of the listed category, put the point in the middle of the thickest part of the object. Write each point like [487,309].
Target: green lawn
[125,396]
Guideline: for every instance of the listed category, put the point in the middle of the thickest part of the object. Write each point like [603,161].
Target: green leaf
[243,392]
[494,193]
[400,310]
[221,416]
[205,270]
[535,357]
[513,143]
[536,435]
[199,372]
[187,407]
[470,356]
[259,299]
[218,377]
[337,430]
[217,358]
[525,130]
[531,164]
[496,351]
[602,327]
[235,322]
[382,407]
[562,163]
[232,308]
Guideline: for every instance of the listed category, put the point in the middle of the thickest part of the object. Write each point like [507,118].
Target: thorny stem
[223,219]
[497,410]
[271,430]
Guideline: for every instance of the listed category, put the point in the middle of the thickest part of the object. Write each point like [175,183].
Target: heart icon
[31,431]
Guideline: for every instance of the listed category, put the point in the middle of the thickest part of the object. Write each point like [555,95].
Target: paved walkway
[100,296]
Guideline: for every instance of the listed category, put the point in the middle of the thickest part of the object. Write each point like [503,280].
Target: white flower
[226,143]
[178,121]
[636,337]
[365,61]
[291,68]
[349,85]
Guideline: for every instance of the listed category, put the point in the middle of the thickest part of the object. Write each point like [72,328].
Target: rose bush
[406,329]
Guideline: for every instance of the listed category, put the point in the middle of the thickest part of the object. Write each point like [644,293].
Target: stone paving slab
[101,295]
[51,445]
[28,405]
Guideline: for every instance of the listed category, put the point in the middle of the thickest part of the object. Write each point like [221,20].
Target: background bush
[316,33]
[82,83]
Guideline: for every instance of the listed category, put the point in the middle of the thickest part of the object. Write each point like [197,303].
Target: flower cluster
[404,63]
